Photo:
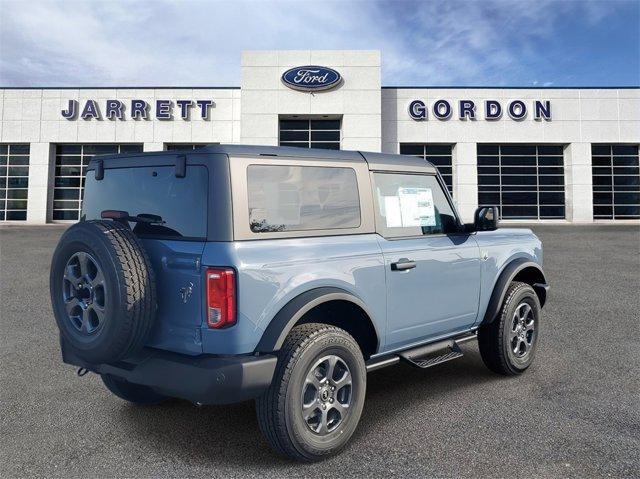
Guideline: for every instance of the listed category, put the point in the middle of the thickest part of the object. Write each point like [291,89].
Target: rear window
[302,198]
[181,203]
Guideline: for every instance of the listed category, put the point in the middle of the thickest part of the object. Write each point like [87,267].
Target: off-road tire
[134,393]
[279,408]
[130,290]
[493,338]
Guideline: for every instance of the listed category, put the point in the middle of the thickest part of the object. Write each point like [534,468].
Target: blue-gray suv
[284,275]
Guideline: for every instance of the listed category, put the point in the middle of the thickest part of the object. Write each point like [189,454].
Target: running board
[433,354]
[424,356]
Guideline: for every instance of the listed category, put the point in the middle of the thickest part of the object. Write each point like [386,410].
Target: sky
[441,43]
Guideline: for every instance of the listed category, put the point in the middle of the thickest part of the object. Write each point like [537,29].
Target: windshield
[180,203]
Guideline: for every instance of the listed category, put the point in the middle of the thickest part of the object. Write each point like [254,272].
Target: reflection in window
[178,206]
[301,198]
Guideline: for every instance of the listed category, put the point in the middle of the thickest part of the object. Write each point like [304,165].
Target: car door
[432,268]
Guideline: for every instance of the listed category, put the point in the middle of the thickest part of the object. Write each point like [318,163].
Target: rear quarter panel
[501,247]
[272,272]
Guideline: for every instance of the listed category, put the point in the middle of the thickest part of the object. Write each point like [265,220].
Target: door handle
[403,264]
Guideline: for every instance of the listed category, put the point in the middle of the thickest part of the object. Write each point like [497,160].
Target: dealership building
[565,155]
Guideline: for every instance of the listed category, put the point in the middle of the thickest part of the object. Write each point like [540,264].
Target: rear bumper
[200,379]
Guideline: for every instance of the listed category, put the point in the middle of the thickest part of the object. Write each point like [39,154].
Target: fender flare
[507,275]
[277,330]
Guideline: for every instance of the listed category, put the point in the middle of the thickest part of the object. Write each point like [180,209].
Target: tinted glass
[14,181]
[412,205]
[323,134]
[180,202]
[616,181]
[526,180]
[302,198]
[184,146]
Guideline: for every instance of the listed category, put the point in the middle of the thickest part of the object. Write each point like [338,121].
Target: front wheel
[508,344]
[314,403]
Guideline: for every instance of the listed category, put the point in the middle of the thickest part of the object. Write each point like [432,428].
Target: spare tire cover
[103,291]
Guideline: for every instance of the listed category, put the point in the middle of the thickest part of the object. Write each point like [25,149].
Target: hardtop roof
[375,161]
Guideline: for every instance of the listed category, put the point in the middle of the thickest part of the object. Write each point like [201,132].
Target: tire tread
[270,407]
[491,340]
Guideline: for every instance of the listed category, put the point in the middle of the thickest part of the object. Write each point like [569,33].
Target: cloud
[198,43]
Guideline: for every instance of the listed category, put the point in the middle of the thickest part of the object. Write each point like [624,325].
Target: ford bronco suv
[285,275]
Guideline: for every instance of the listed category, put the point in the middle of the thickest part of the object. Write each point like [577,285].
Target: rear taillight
[221,297]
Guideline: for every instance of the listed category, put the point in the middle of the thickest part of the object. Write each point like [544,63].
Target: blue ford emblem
[311,78]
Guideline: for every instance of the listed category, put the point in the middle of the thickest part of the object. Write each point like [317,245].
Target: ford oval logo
[311,78]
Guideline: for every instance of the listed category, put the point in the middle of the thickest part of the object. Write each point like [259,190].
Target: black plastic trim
[503,282]
[288,316]
[200,379]
[181,166]
[99,170]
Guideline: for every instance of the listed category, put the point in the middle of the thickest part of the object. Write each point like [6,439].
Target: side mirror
[486,218]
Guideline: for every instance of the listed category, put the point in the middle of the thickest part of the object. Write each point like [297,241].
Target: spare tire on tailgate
[103,291]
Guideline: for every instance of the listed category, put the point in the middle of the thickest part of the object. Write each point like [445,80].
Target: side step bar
[425,356]
[433,354]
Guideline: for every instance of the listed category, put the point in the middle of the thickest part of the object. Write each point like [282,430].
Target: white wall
[357,100]
[579,117]
[35,116]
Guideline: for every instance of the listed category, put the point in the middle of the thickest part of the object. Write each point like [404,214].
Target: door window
[412,205]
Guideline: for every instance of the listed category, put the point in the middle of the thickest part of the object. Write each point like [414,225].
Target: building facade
[541,154]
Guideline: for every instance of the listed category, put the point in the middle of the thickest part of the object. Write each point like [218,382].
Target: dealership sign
[137,109]
[491,110]
[311,78]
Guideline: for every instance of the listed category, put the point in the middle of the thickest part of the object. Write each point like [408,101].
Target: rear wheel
[315,400]
[134,393]
[508,344]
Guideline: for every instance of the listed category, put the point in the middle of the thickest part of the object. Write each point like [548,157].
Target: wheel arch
[520,269]
[328,305]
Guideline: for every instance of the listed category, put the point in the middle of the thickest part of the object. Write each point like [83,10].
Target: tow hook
[81,372]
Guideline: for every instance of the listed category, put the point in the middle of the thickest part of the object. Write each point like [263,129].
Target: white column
[41,161]
[153,147]
[465,179]
[578,183]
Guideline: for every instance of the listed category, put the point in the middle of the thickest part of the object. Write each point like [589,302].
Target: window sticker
[392,212]
[416,207]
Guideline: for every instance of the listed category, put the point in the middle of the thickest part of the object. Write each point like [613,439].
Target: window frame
[310,143]
[507,159]
[613,188]
[443,188]
[240,197]
[5,211]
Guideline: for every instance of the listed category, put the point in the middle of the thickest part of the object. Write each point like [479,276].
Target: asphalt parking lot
[576,412]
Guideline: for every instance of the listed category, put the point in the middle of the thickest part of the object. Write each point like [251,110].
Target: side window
[412,205]
[302,198]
